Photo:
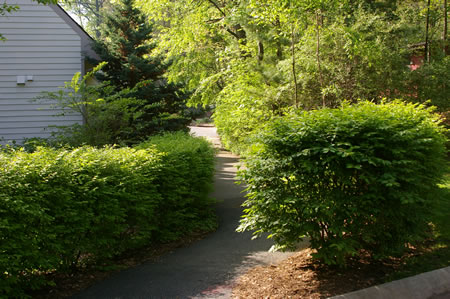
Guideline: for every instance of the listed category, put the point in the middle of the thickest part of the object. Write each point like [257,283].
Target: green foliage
[431,82]
[185,181]
[87,13]
[359,177]
[61,209]
[243,107]
[136,72]
[255,56]
[126,45]
[109,116]
[434,253]
[60,205]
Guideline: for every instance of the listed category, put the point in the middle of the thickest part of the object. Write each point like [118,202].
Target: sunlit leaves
[62,209]
[351,178]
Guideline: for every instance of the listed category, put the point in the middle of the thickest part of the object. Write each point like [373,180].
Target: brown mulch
[66,285]
[300,277]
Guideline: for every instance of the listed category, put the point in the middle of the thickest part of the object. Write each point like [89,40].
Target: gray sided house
[44,48]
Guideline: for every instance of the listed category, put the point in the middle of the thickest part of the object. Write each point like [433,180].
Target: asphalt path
[206,268]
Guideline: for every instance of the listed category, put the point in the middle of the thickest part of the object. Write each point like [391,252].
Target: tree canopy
[133,70]
[254,59]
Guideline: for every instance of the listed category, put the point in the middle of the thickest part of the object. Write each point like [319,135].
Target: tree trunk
[444,34]
[241,36]
[279,47]
[260,51]
[427,50]
[319,24]
[97,21]
[294,73]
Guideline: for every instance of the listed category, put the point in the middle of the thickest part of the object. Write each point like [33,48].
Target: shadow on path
[205,269]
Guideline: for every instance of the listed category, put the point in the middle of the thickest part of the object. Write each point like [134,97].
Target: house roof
[86,39]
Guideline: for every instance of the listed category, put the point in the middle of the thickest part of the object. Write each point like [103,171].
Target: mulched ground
[300,277]
[296,277]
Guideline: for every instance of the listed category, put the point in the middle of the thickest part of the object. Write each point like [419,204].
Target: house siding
[39,42]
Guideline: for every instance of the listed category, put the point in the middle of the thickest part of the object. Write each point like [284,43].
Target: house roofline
[86,39]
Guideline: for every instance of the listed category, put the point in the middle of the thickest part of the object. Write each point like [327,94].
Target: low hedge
[185,180]
[358,178]
[61,209]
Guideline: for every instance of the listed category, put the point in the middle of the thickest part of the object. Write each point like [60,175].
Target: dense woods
[256,59]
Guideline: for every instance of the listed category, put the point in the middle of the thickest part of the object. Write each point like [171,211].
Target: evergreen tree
[126,43]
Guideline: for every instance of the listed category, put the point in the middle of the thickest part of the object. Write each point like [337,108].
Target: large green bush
[356,178]
[62,209]
[184,182]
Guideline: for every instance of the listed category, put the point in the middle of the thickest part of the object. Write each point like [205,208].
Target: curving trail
[206,268]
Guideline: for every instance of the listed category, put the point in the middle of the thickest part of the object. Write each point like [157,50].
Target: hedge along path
[207,268]
[64,209]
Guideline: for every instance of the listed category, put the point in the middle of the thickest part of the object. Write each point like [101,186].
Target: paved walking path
[207,268]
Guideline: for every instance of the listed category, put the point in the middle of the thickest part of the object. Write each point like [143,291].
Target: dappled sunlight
[226,167]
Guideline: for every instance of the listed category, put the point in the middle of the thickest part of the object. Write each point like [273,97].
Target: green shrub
[184,182]
[356,178]
[58,206]
[111,116]
[61,209]
[430,82]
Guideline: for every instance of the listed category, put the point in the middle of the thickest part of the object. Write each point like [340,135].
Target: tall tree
[127,44]
[299,54]
[427,51]
[444,32]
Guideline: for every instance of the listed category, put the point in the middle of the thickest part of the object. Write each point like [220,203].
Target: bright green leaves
[351,178]
[185,181]
[62,209]
[60,204]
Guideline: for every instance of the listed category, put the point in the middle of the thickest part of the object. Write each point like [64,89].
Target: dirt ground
[300,277]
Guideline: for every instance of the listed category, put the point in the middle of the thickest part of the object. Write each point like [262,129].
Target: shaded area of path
[204,269]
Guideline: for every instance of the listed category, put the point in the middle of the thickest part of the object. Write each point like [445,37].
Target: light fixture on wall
[22,79]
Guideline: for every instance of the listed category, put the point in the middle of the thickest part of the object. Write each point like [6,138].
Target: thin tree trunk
[444,35]
[97,17]
[444,40]
[279,48]
[260,51]
[318,58]
[427,55]
[294,73]
[239,32]
[241,36]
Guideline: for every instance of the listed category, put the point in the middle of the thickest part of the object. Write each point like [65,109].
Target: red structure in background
[416,62]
